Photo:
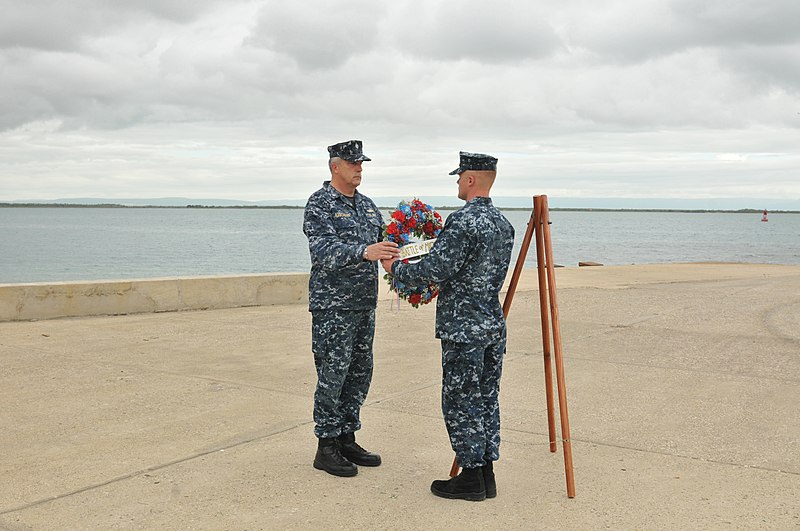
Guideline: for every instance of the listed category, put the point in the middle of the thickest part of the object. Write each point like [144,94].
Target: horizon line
[745,210]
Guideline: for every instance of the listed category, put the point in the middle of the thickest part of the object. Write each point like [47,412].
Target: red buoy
[764,217]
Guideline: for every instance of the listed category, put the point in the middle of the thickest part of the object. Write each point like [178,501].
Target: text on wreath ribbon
[411,250]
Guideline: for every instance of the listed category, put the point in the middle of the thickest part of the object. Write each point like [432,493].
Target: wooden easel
[540,219]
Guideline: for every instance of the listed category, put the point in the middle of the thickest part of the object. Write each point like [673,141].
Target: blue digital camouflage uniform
[469,262]
[342,295]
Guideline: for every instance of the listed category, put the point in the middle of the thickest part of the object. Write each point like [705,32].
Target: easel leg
[454,468]
[541,265]
[562,386]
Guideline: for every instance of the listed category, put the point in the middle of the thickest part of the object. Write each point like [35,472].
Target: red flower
[428,228]
[399,216]
[437,216]
[414,298]
[411,223]
[392,228]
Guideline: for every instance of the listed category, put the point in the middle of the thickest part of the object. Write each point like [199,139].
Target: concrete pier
[683,384]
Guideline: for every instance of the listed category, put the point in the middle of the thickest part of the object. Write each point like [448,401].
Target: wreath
[413,222]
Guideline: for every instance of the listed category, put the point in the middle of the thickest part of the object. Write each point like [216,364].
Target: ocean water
[65,244]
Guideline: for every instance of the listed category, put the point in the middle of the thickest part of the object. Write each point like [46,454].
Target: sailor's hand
[387,264]
[381,251]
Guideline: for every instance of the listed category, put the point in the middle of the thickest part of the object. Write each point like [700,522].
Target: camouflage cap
[349,151]
[474,161]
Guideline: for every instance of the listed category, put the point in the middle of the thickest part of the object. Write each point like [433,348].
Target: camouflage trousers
[342,344]
[470,389]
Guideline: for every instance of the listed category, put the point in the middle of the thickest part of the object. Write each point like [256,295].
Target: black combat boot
[468,485]
[354,453]
[488,479]
[329,458]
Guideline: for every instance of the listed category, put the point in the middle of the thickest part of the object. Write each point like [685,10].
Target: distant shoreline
[294,207]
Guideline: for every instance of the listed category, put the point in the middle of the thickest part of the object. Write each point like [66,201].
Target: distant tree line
[295,207]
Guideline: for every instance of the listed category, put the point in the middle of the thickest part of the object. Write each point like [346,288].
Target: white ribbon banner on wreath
[413,250]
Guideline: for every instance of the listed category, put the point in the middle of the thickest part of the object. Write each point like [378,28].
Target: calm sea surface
[63,244]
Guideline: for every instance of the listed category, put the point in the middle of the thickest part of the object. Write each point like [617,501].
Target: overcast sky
[238,99]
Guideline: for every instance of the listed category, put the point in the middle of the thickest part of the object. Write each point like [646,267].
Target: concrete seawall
[20,302]
[24,302]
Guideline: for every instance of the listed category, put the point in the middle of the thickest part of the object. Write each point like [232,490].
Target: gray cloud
[641,31]
[473,30]
[318,34]
[766,70]
[60,26]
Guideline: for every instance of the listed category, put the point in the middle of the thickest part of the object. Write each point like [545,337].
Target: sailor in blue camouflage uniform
[469,261]
[344,229]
